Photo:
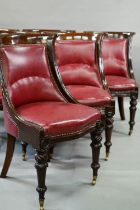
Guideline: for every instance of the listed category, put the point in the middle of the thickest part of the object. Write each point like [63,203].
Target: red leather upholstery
[61,118]
[114,57]
[28,75]
[118,83]
[76,61]
[35,98]
[89,95]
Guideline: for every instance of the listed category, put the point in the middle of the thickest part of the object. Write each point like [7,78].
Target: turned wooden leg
[24,149]
[95,146]
[121,107]
[133,108]
[9,154]
[109,113]
[41,166]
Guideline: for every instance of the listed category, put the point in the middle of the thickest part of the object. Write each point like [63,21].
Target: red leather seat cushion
[118,83]
[89,95]
[59,118]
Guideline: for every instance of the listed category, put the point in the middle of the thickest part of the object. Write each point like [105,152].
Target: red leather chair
[19,37]
[118,70]
[36,113]
[76,58]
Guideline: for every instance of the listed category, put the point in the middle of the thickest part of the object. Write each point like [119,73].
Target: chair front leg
[133,108]
[95,146]
[24,149]
[41,165]
[9,154]
[109,113]
[121,107]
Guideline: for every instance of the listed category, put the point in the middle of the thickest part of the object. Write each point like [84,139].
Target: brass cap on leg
[107,156]
[94,180]
[130,132]
[41,203]
[23,156]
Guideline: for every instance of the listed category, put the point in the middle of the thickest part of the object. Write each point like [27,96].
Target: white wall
[121,15]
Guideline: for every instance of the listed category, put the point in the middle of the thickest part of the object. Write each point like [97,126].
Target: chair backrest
[6,30]
[76,58]
[26,73]
[115,54]
[24,38]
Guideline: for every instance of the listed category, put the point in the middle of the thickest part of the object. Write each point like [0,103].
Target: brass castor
[24,156]
[41,203]
[94,180]
[107,156]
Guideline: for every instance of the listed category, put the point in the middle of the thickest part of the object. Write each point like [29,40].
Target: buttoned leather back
[114,56]
[27,75]
[76,62]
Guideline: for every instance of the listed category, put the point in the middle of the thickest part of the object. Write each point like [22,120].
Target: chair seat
[59,118]
[89,95]
[118,83]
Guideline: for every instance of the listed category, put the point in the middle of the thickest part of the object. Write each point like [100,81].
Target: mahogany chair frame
[107,111]
[133,94]
[25,37]
[34,134]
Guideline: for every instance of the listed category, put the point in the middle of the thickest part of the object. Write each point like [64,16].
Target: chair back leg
[9,154]
[121,107]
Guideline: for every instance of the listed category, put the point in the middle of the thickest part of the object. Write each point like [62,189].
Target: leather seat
[61,118]
[90,95]
[118,83]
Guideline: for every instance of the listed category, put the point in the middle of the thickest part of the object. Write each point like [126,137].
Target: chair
[75,61]
[23,38]
[42,116]
[119,72]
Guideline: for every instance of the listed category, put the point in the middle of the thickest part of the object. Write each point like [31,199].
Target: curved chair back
[76,58]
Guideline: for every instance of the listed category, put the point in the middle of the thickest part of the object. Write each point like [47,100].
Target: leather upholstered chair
[19,37]
[42,116]
[75,60]
[118,70]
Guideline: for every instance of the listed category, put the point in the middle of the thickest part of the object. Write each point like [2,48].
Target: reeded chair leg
[9,154]
[121,107]
[95,146]
[109,113]
[24,149]
[41,166]
[133,108]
